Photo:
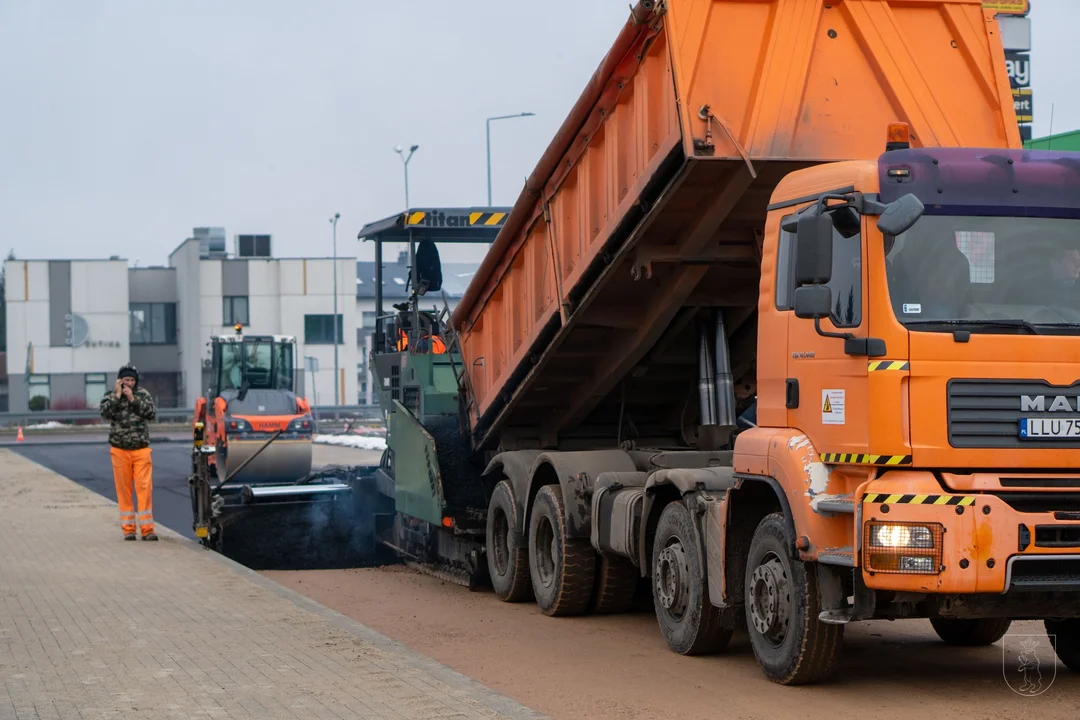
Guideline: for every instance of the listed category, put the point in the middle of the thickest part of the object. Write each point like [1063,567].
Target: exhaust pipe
[706,378]
[724,383]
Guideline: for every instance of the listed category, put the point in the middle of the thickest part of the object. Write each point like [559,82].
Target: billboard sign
[1019,67]
[1007,7]
[1022,105]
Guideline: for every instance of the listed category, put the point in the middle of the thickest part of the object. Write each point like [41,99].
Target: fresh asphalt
[85,460]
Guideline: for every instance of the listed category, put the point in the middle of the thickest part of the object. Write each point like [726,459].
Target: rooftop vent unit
[211,241]
[253,246]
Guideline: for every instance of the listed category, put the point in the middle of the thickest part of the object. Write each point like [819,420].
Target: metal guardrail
[178,415]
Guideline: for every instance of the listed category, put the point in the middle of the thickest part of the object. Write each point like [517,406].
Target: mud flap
[715,530]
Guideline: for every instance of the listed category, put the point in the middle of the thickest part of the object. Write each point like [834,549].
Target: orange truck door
[828,389]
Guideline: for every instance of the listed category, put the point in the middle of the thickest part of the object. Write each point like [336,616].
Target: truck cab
[922,415]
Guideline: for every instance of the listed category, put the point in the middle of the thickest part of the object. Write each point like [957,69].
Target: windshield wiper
[1005,322]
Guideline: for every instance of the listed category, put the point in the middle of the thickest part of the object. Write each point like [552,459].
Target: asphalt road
[87,463]
[84,458]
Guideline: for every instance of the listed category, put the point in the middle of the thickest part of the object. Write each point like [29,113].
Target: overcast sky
[126,123]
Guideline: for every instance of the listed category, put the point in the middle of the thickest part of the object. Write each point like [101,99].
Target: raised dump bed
[649,204]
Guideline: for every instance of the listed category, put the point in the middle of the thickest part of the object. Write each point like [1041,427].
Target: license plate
[1034,428]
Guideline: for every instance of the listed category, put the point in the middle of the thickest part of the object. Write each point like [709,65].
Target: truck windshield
[1004,275]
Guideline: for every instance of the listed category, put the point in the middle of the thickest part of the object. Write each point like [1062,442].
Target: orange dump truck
[783,323]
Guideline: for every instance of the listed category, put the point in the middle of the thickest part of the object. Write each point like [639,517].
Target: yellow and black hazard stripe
[486,218]
[899,499]
[878,365]
[857,459]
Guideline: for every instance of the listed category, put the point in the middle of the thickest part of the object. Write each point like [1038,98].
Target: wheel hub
[671,587]
[770,598]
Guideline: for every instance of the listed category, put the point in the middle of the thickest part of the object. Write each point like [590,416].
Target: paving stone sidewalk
[94,627]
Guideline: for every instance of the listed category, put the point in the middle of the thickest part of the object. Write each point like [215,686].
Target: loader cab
[241,364]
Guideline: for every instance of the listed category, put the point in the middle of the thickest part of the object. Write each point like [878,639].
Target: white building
[71,324]
[268,296]
[63,332]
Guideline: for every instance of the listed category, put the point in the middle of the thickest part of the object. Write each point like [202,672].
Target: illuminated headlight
[905,548]
[902,536]
[301,425]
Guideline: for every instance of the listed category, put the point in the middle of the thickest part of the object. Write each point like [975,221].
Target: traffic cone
[19,437]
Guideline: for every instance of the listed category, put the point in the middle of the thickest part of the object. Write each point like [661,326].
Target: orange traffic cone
[19,437]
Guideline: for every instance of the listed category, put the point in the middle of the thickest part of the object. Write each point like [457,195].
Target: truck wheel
[690,624]
[563,569]
[616,584]
[967,632]
[791,645]
[1067,639]
[508,567]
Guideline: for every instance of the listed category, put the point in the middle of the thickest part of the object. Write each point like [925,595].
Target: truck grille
[986,413]
[1044,574]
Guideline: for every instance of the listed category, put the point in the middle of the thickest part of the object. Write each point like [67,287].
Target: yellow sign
[1008,7]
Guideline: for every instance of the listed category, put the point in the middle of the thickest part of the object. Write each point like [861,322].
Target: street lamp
[337,393]
[500,117]
[405,160]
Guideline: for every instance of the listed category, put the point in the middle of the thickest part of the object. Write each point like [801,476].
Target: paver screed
[95,627]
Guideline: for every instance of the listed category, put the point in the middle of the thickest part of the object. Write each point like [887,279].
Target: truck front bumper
[914,537]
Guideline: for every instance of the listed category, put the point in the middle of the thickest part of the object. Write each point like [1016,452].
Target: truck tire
[563,570]
[791,645]
[690,624]
[616,584]
[970,632]
[1067,637]
[508,567]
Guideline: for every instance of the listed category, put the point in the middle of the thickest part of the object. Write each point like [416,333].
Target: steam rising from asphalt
[311,535]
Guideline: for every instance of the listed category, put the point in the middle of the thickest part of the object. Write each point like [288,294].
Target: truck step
[837,506]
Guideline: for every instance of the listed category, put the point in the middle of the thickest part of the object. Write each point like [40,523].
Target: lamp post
[489,120]
[405,159]
[337,392]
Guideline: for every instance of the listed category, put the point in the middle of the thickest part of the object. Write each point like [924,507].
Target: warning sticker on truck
[832,407]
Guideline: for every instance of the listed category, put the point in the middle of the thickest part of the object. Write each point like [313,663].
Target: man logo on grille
[1029,663]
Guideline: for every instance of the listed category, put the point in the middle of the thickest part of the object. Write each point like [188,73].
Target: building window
[367,319]
[152,323]
[234,310]
[38,392]
[96,387]
[318,330]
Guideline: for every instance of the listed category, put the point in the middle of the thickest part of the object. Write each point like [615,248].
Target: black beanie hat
[128,370]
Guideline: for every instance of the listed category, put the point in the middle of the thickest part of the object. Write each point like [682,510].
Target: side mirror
[813,302]
[899,215]
[813,250]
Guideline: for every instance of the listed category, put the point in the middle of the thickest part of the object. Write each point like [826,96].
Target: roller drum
[281,461]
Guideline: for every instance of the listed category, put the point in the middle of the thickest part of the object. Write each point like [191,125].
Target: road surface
[85,459]
[619,666]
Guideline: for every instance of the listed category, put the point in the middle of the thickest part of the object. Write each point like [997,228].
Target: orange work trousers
[128,466]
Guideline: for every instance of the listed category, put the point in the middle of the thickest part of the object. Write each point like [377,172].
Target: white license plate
[1049,428]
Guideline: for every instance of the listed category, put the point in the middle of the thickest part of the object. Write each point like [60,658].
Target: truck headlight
[902,536]
[905,548]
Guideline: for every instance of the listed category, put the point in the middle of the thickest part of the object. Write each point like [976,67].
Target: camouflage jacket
[130,429]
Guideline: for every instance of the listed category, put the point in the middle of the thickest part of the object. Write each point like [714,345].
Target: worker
[129,408]
[427,342]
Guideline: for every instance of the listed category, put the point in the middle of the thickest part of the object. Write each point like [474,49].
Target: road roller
[253,493]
